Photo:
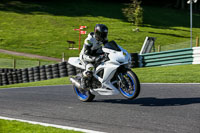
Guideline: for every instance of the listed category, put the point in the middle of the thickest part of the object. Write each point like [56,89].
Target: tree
[134,12]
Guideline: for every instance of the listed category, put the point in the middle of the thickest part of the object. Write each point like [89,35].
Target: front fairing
[128,56]
[118,57]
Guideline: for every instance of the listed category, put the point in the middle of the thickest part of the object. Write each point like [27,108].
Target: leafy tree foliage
[134,12]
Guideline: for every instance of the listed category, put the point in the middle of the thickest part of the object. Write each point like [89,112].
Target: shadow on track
[151,101]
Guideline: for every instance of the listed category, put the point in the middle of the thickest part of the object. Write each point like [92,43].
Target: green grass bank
[169,74]
[44,27]
[7,61]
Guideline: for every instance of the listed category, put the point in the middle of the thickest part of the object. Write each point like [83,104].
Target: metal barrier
[172,57]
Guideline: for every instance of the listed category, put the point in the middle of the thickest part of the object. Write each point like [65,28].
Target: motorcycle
[111,77]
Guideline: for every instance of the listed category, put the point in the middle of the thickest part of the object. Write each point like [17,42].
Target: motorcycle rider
[89,55]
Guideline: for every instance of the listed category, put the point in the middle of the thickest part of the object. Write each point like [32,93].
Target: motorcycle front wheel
[83,95]
[130,87]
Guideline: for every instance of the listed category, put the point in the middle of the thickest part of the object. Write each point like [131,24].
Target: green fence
[171,57]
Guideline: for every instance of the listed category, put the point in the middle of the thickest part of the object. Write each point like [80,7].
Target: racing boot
[86,77]
[83,83]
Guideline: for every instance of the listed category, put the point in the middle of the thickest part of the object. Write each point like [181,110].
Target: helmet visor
[101,36]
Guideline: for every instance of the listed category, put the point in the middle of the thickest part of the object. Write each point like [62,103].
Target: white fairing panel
[75,61]
[109,71]
[118,56]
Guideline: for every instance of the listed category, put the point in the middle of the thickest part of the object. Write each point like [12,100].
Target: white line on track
[52,125]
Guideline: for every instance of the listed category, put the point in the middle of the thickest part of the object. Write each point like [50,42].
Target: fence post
[159,48]
[63,57]
[39,62]
[14,63]
[197,41]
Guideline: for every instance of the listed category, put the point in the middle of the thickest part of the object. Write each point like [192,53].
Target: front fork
[124,82]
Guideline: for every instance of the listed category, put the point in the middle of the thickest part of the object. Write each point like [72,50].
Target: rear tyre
[132,88]
[84,96]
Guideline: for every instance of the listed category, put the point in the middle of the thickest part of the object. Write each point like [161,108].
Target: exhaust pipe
[75,82]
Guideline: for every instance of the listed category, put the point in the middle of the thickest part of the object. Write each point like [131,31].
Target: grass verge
[58,81]
[169,74]
[7,126]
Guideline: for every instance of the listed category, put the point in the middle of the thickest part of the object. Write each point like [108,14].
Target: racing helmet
[101,32]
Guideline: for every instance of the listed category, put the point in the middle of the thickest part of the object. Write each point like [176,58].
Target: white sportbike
[112,75]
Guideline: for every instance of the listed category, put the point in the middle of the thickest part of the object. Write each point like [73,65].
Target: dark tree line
[182,4]
[179,4]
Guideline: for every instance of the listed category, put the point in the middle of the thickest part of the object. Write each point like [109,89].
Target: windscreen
[112,45]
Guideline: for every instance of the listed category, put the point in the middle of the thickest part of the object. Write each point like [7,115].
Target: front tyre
[83,95]
[130,86]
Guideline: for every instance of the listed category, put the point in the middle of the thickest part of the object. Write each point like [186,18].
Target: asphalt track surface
[160,108]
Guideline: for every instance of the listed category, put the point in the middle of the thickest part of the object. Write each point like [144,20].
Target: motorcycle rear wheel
[84,96]
[133,92]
